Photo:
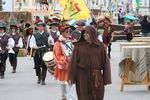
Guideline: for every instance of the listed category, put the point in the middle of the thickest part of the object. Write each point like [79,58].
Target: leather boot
[39,80]
[2,77]
[14,70]
[43,80]
[43,83]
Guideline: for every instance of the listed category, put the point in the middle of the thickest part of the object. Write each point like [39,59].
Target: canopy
[131,18]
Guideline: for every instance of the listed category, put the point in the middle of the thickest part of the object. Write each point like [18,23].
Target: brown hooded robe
[89,68]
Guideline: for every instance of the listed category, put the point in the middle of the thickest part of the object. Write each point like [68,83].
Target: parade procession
[74,49]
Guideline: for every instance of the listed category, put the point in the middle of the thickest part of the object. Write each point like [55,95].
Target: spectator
[145,27]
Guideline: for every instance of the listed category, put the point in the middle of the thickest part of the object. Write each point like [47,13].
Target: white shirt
[100,38]
[57,32]
[32,43]
[2,34]
[11,44]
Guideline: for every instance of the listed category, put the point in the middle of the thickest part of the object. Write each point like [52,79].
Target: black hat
[73,28]
[13,23]
[2,25]
[62,28]
[80,23]
[54,24]
[27,25]
[15,26]
[93,22]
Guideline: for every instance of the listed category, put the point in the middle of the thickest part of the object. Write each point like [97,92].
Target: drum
[49,61]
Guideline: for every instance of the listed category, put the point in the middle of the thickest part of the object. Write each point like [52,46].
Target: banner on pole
[75,9]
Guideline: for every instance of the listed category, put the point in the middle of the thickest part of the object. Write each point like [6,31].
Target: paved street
[22,85]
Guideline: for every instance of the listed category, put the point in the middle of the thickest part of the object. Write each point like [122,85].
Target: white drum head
[48,56]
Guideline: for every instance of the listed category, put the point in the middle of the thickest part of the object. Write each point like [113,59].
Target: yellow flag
[75,9]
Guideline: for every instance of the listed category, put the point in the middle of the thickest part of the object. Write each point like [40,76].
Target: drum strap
[68,46]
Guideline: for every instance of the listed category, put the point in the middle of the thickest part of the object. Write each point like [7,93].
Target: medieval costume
[48,23]
[18,43]
[40,42]
[3,50]
[54,32]
[62,52]
[76,34]
[44,3]
[29,33]
[89,70]
[107,34]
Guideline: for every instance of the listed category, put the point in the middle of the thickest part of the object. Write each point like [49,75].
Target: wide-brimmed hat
[93,22]
[54,24]
[48,20]
[27,25]
[80,23]
[2,25]
[62,28]
[41,24]
[13,23]
[55,19]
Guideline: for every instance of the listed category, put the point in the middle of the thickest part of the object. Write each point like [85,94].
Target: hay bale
[22,53]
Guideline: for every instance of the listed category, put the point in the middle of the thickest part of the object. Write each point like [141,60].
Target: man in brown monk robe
[89,67]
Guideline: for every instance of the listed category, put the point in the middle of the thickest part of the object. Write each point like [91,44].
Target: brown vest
[16,39]
[4,42]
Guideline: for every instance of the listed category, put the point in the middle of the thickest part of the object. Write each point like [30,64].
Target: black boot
[2,75]
[39,80]
[43,83]
[14,70]
[43,80]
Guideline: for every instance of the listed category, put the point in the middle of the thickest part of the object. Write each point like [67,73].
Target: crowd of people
[69,44]
[129,24]
[81,52]
[9,46]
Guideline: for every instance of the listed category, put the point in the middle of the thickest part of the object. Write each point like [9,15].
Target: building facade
[144,7]
[31,6]
[98,5]
[115,5]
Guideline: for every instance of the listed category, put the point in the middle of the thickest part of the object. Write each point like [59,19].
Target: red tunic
[61,69]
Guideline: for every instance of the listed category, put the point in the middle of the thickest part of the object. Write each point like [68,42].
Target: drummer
[62,52]
[40,41]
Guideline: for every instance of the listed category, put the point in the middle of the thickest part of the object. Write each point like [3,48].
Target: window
[140,4]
